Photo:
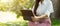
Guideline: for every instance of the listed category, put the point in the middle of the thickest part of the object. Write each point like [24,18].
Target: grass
[21,22]
[55,22]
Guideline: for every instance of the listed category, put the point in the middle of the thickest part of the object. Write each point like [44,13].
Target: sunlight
[5,1]
[7,16]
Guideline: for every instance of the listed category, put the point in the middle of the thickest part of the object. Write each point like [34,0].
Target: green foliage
[16,6]
[55,22]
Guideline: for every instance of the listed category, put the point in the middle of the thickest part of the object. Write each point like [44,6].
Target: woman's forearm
[36,18]
[43,16]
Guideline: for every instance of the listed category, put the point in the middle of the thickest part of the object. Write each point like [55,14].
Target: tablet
[27,14]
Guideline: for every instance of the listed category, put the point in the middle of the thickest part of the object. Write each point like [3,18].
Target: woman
[43,10]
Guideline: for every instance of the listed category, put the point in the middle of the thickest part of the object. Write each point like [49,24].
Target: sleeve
[49,8]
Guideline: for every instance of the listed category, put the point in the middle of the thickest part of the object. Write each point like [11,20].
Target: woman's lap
[46,22]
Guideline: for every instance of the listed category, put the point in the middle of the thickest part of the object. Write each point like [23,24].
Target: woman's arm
[36,18]
[42,16]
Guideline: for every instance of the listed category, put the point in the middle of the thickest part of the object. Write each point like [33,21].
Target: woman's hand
[35,18]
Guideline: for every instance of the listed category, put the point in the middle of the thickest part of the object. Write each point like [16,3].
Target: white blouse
[45,8]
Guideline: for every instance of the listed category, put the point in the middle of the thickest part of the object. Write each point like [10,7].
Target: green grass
[55,22]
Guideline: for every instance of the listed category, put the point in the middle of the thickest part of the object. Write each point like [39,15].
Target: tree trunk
[56,8]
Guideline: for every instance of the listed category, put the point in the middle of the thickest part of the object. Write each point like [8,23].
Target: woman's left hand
[35,18]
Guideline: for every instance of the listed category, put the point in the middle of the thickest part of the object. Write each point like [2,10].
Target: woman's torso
[42,7]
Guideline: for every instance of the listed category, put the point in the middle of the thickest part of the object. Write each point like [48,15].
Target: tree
[16,5]
[56,4]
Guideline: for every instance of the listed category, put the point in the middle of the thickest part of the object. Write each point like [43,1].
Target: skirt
[45,22]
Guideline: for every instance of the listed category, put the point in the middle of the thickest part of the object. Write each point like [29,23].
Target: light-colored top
[45,8]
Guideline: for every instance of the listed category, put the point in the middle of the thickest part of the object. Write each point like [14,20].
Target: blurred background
[10,14]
